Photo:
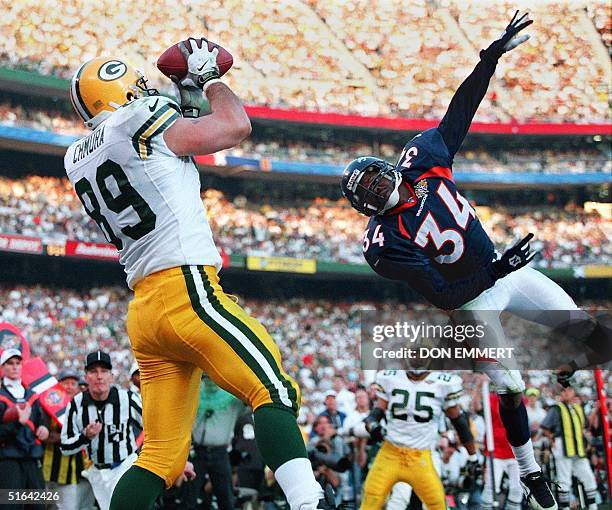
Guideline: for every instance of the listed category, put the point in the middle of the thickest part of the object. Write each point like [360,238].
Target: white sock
[297,480]
[526,458]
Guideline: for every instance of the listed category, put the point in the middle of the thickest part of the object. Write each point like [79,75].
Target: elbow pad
[462,426]
[374,417]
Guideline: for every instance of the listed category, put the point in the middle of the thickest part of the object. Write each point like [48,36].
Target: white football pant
[524,293]
[566,467]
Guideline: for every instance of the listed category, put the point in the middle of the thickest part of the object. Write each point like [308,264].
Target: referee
[100,420]
[564,426]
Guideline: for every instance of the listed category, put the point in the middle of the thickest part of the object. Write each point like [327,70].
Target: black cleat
[328,502]
[537,491]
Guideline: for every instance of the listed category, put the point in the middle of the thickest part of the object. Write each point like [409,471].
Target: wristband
[190,112]
[209,83]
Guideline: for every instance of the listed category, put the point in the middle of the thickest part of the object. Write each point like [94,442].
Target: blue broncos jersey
[437,225]
[434,241]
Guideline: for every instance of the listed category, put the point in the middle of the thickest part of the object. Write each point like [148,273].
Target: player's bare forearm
[225,127]
[462,108]
[226,106]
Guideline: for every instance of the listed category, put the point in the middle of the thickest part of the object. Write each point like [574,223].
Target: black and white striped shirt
[116,440]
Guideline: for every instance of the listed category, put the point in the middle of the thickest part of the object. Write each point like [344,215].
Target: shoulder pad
[425,151]
[383,381]
[451,386]
[144,119]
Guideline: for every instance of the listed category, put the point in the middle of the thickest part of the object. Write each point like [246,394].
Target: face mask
[394,197]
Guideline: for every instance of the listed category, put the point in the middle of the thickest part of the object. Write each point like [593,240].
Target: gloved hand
[377,433]
[509,39]
[201,63]
[190,98]
[472,471]
[514,258]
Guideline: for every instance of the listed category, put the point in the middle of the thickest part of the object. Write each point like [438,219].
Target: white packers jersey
[415,407]
[145,199]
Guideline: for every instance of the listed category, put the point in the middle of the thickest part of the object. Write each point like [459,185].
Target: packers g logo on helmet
[102,85]
[112,70]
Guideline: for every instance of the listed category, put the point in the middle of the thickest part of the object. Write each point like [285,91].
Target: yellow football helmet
[102,85]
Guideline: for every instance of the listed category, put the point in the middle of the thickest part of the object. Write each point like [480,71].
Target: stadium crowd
[323,229]
[354,56]
[338,152]
[348,56]
[319,343]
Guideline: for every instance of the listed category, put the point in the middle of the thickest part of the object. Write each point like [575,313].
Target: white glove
[201,63]
[513,28]
[509,39]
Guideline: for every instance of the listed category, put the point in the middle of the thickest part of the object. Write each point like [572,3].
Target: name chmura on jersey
[88,145]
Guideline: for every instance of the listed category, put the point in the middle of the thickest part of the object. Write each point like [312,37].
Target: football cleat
[537,491]
[102,85]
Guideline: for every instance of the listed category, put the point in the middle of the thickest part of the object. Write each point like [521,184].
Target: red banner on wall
[103,251]
[22,244]
[406,124]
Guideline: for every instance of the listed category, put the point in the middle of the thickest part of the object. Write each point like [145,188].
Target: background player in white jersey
[412,403]
[135,178]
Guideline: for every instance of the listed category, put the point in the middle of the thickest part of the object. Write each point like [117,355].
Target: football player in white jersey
[135,177]
[412,403]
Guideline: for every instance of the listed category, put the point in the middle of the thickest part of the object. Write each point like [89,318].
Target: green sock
[137,489]
[278,436]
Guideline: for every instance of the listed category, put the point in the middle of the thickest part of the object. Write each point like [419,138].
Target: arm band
[462,426]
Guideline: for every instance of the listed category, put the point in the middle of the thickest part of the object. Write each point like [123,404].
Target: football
[172,62]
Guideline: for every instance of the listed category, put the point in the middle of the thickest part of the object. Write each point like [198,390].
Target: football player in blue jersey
[424,232]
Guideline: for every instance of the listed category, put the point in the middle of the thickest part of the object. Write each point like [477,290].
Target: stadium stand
[348,56]
[387,58]
[322,228]
[318,339]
